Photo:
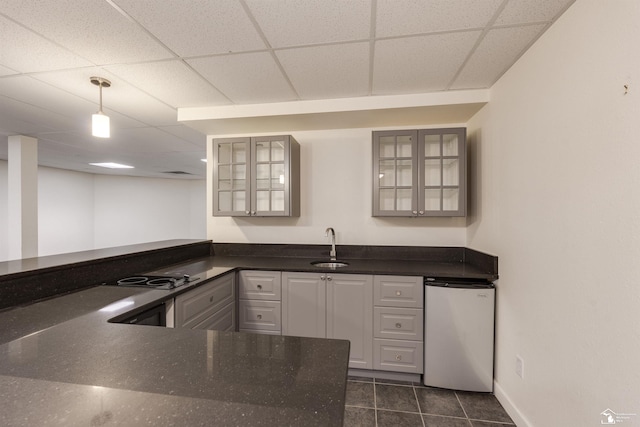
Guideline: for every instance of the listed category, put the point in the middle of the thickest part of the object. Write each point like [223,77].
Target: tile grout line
[375,403]
[358,406]
[415,394]
[494,422]
[462,406]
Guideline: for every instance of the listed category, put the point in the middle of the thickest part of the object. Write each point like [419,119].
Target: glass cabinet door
[256,176]
[270,173]
[231,176]
[394,173]
[443,172]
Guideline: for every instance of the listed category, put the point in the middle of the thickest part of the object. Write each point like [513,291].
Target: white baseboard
[508,406]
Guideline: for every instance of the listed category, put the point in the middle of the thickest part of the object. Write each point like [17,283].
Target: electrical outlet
[519,367]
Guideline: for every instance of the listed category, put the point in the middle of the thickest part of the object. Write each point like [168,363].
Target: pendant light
[100,122]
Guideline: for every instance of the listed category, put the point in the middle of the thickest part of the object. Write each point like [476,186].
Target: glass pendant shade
[100,125]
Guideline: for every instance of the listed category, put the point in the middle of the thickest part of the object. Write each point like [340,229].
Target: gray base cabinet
[381,316]
[398,324]
[304,305]
[260,302]
[349,314]
[210,306]
[331,306]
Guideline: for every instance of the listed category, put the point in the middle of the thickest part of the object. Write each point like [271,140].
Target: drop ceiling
[165,55]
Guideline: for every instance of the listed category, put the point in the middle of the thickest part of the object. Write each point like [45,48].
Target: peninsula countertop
[87,371]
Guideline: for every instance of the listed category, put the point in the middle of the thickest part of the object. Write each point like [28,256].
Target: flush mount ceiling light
[100,121]
[111,165]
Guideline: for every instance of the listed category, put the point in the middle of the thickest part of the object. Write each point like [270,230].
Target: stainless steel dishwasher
[459,334]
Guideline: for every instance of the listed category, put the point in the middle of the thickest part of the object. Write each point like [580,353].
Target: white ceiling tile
[495,54]
[330,71]
[4,71]
[404,17]
[20,118]
[172,82]
[42,54]
[54,154]
[149,140]
[92,29]
[186,161]
[197,27]
[121,97]
[245,78]
[523,11]
[299,22]
[35,92]
[419,64]
[186,133]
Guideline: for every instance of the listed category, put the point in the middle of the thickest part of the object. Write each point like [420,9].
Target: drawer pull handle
[329,278]
[398,357]
[398,293]
[398,325]
[259,316]
[260,287]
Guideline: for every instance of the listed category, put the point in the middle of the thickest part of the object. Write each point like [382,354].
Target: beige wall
[557,158]
[336,192]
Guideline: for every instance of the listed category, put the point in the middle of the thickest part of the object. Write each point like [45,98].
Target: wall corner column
[23,197]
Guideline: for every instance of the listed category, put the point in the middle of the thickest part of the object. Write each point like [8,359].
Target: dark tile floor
[382,403]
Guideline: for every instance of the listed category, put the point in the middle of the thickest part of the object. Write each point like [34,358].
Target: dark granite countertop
[62,362]
[87,371]
[27,265]
[455,262]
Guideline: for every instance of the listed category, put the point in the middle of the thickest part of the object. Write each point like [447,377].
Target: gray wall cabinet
[210,306]
[419,173]
[257,176]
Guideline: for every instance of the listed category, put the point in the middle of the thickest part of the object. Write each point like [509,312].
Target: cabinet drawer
[200,303]
[398,323]
[398,356]
[223,320]
[398,291]
[260,285]
[263,315]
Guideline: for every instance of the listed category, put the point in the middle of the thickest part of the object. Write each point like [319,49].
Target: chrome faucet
[332,254]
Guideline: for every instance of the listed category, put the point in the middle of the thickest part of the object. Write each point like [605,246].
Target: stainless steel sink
[329,264]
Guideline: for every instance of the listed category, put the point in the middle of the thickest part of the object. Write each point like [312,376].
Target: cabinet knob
[414,212]
[253,212]
[323,277]
[329,278]
[260,287]
[398,293]
[421,212]
[398,357]
[247,212]
[398,325]
[259,316]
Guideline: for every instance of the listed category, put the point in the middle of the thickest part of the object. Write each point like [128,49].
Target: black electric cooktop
[153,282]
